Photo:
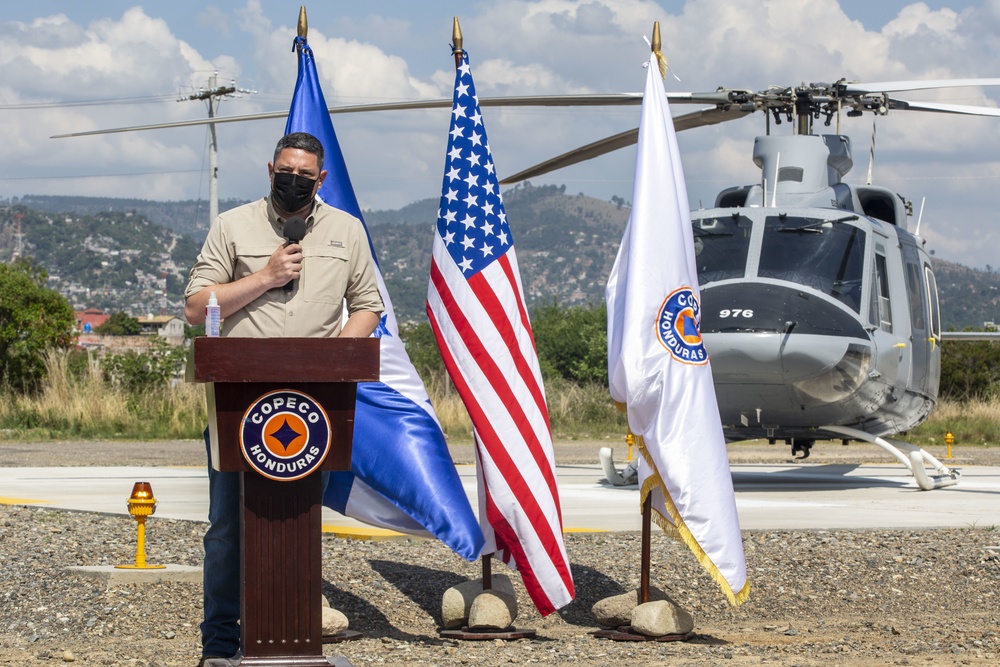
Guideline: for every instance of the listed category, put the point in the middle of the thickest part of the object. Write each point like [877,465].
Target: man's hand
[284,264]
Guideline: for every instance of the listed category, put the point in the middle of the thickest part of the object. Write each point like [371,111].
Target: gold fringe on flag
[662,62]
[679,530]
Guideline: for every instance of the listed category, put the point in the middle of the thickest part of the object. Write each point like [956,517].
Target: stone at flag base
[456,603]
[492,610]
[470,613]
[334,621]
[335,625]
[660,616]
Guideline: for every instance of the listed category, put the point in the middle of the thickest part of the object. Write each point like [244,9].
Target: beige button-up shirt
[337,268]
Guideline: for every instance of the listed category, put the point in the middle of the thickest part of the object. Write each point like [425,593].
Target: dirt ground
[818,598]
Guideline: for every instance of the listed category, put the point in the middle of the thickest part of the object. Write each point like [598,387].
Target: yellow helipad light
[141,504]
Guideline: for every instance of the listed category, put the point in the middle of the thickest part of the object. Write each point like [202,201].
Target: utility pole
[18,237]
[212,96]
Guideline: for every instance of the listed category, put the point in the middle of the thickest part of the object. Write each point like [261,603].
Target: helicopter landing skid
[914,459]
[628,475]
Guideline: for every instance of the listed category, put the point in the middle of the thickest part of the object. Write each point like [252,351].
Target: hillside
[116,253]
[184,217]
[116,260]
[565,247]
[969,297]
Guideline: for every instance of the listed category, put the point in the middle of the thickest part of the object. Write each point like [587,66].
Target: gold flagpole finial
[303,23]
[656,47]
[456,41]
[456,35]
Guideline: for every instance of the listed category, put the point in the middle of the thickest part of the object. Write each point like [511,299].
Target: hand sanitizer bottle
[212,316]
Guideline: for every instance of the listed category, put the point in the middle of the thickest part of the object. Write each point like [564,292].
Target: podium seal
[285,435]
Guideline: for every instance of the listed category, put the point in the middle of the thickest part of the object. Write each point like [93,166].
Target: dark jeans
[220,631]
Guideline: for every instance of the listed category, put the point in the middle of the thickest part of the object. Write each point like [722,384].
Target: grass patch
[78,401]
[81,403]
[973,422]
[576,411]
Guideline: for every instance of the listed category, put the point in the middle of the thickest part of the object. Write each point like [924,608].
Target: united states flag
[476,307]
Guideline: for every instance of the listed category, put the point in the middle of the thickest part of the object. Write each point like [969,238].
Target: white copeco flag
[657,363]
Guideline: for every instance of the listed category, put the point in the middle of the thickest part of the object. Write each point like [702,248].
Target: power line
[69,176]
[87,103]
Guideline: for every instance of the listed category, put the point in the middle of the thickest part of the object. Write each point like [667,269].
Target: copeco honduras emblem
[285,435]
[678,327]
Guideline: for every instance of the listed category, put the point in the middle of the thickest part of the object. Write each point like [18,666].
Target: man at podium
[286,265]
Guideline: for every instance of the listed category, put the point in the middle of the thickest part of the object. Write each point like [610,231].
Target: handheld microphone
[295,231]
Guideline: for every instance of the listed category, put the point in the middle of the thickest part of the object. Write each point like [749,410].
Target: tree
[970,369]
[33,319]
[119,324]
[422,349]
[572,342]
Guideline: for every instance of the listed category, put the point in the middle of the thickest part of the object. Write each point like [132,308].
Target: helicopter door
[922,341]
[933,307]
[893,359]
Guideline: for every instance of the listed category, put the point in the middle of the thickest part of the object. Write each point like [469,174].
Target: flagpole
[456,50]
[647,520]
[487,572]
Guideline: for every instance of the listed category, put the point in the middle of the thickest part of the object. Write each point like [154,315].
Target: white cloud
[918,18]
[516,47]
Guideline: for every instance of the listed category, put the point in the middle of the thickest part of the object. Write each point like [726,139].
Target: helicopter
[819,307]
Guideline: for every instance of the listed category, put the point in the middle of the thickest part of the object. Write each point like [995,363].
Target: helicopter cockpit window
[721,246]
[827,255]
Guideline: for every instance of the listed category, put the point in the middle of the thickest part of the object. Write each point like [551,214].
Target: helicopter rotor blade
[582,154]
[355,108]
[617,99]
[943,108]
[899,86]
[583,100]
[180,123]
[700,118]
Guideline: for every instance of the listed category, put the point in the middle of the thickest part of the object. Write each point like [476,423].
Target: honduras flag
[402,476]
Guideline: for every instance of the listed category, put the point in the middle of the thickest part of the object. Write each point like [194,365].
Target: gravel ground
[886,597]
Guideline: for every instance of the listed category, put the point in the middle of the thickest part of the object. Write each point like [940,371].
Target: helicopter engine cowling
[802,164]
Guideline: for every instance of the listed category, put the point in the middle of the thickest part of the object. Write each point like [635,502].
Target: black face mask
[291,192]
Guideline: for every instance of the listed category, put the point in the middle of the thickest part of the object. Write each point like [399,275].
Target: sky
[69,66]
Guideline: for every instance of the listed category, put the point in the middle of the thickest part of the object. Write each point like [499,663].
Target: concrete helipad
[793,496]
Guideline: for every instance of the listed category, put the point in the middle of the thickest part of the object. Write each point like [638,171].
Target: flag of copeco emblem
[678,327]
[285,435]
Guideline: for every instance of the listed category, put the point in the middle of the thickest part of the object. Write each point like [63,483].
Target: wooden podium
[280,411]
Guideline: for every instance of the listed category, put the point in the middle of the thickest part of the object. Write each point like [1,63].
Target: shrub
[138,372]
